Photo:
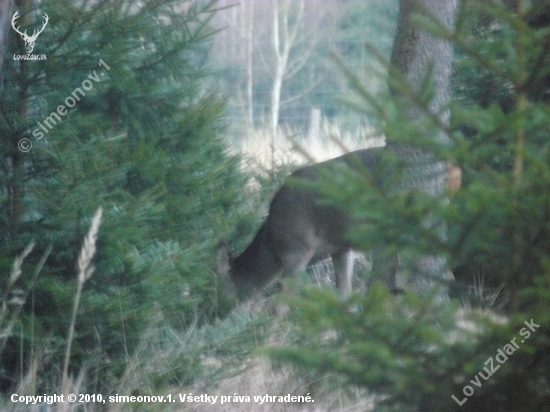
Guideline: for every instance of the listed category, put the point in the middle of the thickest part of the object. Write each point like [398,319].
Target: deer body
[298,231]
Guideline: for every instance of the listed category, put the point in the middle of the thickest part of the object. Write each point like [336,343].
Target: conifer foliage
[120,115]
[417,353]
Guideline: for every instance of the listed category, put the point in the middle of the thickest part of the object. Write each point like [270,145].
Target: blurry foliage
[145,143]
[410,352]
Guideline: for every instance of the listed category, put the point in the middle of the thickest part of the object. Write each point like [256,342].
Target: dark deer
[298,231]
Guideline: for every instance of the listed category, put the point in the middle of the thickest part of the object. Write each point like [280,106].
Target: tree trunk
[249,21]
[414,53]
[284,37]
[5,15]
[281,58]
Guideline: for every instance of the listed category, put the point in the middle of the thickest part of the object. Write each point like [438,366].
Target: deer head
[29,40]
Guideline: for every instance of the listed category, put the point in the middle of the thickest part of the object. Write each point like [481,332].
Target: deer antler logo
[29,40]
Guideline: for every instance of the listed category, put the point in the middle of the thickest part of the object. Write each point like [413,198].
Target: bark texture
[416,52]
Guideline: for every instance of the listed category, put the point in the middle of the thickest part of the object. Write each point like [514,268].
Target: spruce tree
[122,115]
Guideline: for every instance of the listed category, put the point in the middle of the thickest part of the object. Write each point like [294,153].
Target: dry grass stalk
[5,329]
[17,263]
[85,271]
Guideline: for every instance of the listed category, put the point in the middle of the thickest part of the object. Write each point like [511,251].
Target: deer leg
[293,263]
[343,269]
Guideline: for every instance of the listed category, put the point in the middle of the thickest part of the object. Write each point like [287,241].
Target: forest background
[184,139]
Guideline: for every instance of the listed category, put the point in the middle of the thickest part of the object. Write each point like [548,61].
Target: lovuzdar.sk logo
[29,40]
